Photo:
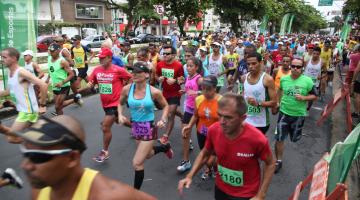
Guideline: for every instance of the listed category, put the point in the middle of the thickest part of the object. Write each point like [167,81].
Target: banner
[284,23]
[290,24]
[345,30]
[325,3]
[341,157]
[263,24]
[18,27]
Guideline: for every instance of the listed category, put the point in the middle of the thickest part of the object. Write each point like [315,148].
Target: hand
[90,84]
[186,131]
[299,97]
[122,119]
[230,86]
[170,81]
[161,79]
[184,182]
[161,124]
[59,85]
[275,109]
[180,80]
[182,91]
[42,109]
[192,93]
[252,101]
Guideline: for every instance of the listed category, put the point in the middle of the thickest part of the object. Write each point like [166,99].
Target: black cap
[54,47]
[210,81]
[140,67]
[46,132]
[76,37]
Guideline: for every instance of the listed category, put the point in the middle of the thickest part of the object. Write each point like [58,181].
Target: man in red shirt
[110,80]
[170,75]
[238,147]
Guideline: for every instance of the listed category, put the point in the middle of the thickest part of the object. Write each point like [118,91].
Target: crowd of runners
[230,85]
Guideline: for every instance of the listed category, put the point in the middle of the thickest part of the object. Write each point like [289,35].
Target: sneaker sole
[15,177]
[99,161]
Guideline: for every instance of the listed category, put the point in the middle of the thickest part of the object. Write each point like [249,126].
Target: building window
[88,11]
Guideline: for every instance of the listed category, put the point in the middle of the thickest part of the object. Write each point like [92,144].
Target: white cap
[240,41]
[185,43]
[28,52]
[203,49]
[216,43]
[316,42]
[227,43]
[203,38]
[281,43]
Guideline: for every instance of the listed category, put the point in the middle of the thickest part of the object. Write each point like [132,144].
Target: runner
[238,147]
[52,163]
[259,93]
[60,74]
[300,49]
[192,89]
[140,98]
[230,61]
[154,59]
[78,53]
[325,56]
[32,67]
[296,90]
[170,74]
[308,53]
[110,80]
[9,177]
[314,67]
[204,58]
[20,88]
[205,114]
[279,72]
[216,67]
[65,53]
[128,58]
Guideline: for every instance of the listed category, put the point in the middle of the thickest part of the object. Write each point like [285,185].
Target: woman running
[140,98]
[205,114]
[192,88]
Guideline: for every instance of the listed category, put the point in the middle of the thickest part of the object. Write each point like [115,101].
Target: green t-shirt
[289,105]
[57,73]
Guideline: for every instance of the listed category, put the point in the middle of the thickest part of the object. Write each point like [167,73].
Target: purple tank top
[191,84]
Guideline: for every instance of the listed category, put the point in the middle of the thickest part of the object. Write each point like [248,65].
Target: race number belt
[231,177]
[140,129]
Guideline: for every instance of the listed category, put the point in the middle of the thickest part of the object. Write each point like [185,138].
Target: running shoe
[205,175]
[184,166]
[54,113]
[191,147]
[13,178]
[278,166]
[169,152]
[164,139]
[103,155]
[78,100]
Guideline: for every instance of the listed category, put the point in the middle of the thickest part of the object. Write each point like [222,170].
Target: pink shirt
[354,60]
[191,85]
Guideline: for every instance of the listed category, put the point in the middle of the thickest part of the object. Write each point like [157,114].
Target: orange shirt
[207,112]
[278,76]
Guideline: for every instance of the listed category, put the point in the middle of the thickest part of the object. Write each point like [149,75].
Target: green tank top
[57,73]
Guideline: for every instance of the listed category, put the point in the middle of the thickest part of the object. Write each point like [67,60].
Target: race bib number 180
[105,88]
[231,177]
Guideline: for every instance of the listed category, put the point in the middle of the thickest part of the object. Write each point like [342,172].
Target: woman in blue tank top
[140,98]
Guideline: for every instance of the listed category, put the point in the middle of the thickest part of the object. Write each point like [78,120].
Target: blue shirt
[141,110]
[117,61]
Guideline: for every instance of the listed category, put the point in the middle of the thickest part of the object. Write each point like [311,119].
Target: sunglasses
[166,54]
[37,156]
[297,66]
[214,46]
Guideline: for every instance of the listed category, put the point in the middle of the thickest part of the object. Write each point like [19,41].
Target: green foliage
[352,7]
[184,10]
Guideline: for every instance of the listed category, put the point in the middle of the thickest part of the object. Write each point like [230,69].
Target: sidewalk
[339,133]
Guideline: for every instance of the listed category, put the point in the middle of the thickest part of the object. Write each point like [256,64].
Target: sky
[337,5]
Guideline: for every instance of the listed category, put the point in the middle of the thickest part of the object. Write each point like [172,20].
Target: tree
[231,11]
[184,10]
[352,7]
[135,11]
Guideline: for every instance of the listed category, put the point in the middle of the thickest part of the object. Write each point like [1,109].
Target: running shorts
[289,125]
[83,72]
[27,117]
[173,100]
[63,90]
[111,111]
[220,195]
[201,140]
[263,129]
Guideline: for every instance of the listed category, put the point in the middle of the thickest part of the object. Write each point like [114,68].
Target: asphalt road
[161,177]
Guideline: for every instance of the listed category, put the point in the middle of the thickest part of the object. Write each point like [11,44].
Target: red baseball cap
[104,52]
[311,46]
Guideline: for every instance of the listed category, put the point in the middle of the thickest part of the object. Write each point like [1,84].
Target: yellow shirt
[82,190]
[326,57]
[232,60]
[79,57]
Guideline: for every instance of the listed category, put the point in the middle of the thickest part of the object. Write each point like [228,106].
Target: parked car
[43,42]
[143,38]
[93,41]
[164,38]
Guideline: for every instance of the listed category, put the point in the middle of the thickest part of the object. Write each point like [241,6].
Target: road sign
[159,9]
